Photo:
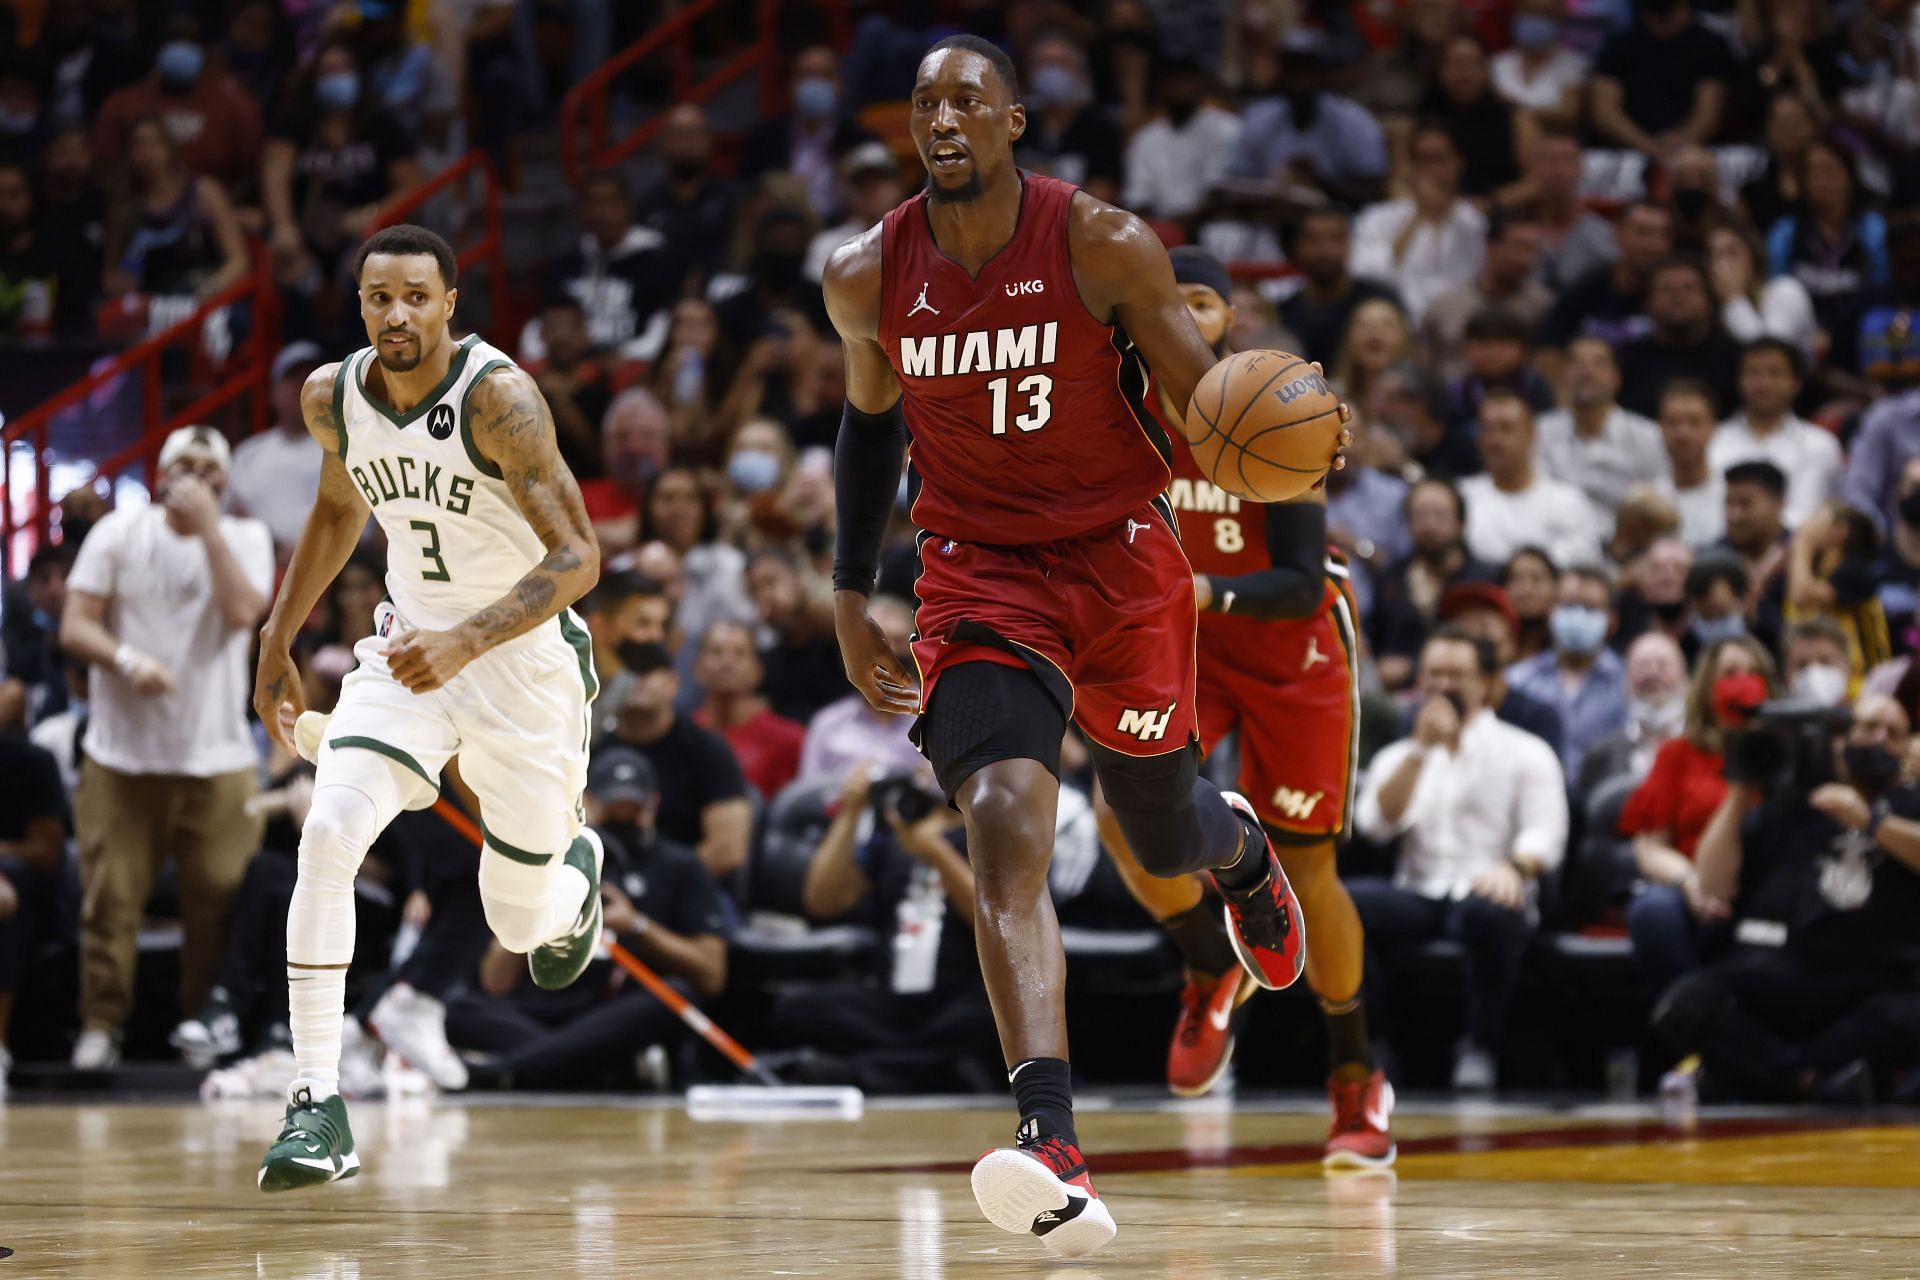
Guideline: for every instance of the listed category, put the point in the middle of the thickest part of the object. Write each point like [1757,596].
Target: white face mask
[1821,683]
[1658,717]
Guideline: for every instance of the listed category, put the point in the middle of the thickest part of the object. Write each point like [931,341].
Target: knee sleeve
[1154,799]
[341,825]
[523,902]
[982,712]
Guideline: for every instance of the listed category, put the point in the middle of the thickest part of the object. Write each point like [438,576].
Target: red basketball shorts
[1105,619]
[1291,689]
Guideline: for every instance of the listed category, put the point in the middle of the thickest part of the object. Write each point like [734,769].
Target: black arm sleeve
[1294,586]
[866,476]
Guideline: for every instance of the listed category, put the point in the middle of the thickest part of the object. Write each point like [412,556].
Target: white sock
[316,1003]
[527,906]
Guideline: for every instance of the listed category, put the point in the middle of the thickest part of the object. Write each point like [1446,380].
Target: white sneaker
[96,1050]
[414,1025]
[1474,1070]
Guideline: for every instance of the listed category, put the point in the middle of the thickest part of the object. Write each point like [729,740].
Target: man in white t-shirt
[163,602]
[1767,430]
[1512,506]
[1593,444]
[276,474]
[1697,491]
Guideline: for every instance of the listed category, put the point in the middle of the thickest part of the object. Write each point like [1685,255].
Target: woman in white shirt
[1539,74]
[1752,306]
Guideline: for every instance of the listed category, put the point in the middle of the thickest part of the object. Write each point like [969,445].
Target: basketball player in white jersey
[475,652]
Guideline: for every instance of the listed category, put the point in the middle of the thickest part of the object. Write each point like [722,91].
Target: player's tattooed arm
[514,430]
[333,528]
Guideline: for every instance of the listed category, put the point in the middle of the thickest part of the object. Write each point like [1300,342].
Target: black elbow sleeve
[866,477]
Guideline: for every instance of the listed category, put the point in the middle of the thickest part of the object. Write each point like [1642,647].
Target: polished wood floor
[514,1187]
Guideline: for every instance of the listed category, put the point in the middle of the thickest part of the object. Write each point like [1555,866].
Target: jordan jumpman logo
[922,304]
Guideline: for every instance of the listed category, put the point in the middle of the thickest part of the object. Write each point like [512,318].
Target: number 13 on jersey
[1036,388]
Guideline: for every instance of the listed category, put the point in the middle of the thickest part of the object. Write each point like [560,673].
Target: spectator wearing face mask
[1814,999]
[1068,136]
[1830,582]
[703,795]
[1672,923]
[213,120]
[1655,601]
[1656,709]
[1580,677]
[1539,74]
[1176,159]
[1717,600]
[811,137]
[636,442]
[1693,189]
[691,206]
[1697,491]
[1817,663]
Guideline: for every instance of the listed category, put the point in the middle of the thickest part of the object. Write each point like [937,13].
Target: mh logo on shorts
[1147,725]
[440,421]
[1298,805]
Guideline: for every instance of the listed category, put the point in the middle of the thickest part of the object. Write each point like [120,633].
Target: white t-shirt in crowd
[1544,91]
[1172,169]
[275,478]
[1438,256]
[1809,457]
[1625,453]
[1703,510]
[1548,514]
[159,594]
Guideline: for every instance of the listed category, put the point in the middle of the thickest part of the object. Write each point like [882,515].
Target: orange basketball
[1272,425]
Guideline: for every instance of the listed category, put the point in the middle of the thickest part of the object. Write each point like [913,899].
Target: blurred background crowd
[1622,295]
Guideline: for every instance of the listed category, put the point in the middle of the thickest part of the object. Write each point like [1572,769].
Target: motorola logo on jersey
[979,351]
[1017,287]
[440,421]
[1146,724]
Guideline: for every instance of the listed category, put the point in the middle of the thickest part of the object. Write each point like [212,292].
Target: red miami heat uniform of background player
[1289,686]
[1048,541]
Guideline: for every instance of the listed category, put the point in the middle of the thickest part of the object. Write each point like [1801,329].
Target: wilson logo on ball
[1300,386]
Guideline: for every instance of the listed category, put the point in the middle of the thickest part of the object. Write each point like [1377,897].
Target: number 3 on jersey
[1036,388]
[431,552]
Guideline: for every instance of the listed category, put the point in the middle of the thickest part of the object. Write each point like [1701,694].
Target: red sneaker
[1043,1189]
[1202,1044]
[1264,925]
[1359,1138]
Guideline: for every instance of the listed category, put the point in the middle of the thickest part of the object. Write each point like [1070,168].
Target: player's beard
[966,193]
[402,363]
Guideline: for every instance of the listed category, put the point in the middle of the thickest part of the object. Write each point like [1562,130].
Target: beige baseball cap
[206,441]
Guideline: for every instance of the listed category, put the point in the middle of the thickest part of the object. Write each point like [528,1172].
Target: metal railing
[490,247]
[247,370]
[584,112]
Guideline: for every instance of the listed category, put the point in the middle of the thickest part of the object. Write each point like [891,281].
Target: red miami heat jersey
[1027,415]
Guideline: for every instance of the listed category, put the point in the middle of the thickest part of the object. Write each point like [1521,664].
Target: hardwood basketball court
[617,1187]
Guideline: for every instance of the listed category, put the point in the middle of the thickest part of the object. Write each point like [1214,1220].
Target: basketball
[1272,425]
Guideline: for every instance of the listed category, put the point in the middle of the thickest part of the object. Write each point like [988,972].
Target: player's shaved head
[996,57]
[966,116]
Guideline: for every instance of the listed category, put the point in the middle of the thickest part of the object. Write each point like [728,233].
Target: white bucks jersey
[455,541]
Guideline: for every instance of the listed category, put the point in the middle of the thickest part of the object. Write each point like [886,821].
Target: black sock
[1250,871]
[1347,1043]
[1043,1090]
[1199,934]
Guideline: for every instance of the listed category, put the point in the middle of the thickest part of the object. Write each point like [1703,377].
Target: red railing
[584,110]
[491,247]
[249,366]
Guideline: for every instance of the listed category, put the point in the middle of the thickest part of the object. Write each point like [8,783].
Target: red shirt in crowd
[1678,795]
[215,125]
[766,745]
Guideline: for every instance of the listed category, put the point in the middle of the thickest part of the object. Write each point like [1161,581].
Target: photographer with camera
[1480,811]
[1816,851]
[892,857]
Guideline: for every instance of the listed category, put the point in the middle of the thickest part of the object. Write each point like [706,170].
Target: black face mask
[627,835]
[1181,112]
[683,170]
[1910,509]
[1670,612]
[1691,202]
[1872,768]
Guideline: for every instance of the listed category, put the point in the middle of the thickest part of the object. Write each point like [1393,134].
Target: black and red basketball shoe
[1042,1188]
[1264,922]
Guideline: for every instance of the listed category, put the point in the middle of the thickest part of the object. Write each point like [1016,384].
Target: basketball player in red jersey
[1277,663]
[1002,319]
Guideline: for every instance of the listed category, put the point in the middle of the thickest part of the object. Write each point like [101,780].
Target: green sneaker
[556,964]
[315,1145]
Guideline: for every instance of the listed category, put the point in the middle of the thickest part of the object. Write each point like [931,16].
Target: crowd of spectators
[1623,299]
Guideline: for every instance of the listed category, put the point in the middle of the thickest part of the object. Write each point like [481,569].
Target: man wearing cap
[869,186]
[660,904]
[162,602]
[276,473]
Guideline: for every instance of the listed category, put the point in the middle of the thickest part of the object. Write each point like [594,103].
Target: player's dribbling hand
[1345,442]
[871,666]
[423,661]
[277,696]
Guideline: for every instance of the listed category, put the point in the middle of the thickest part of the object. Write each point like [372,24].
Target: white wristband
[124,658]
